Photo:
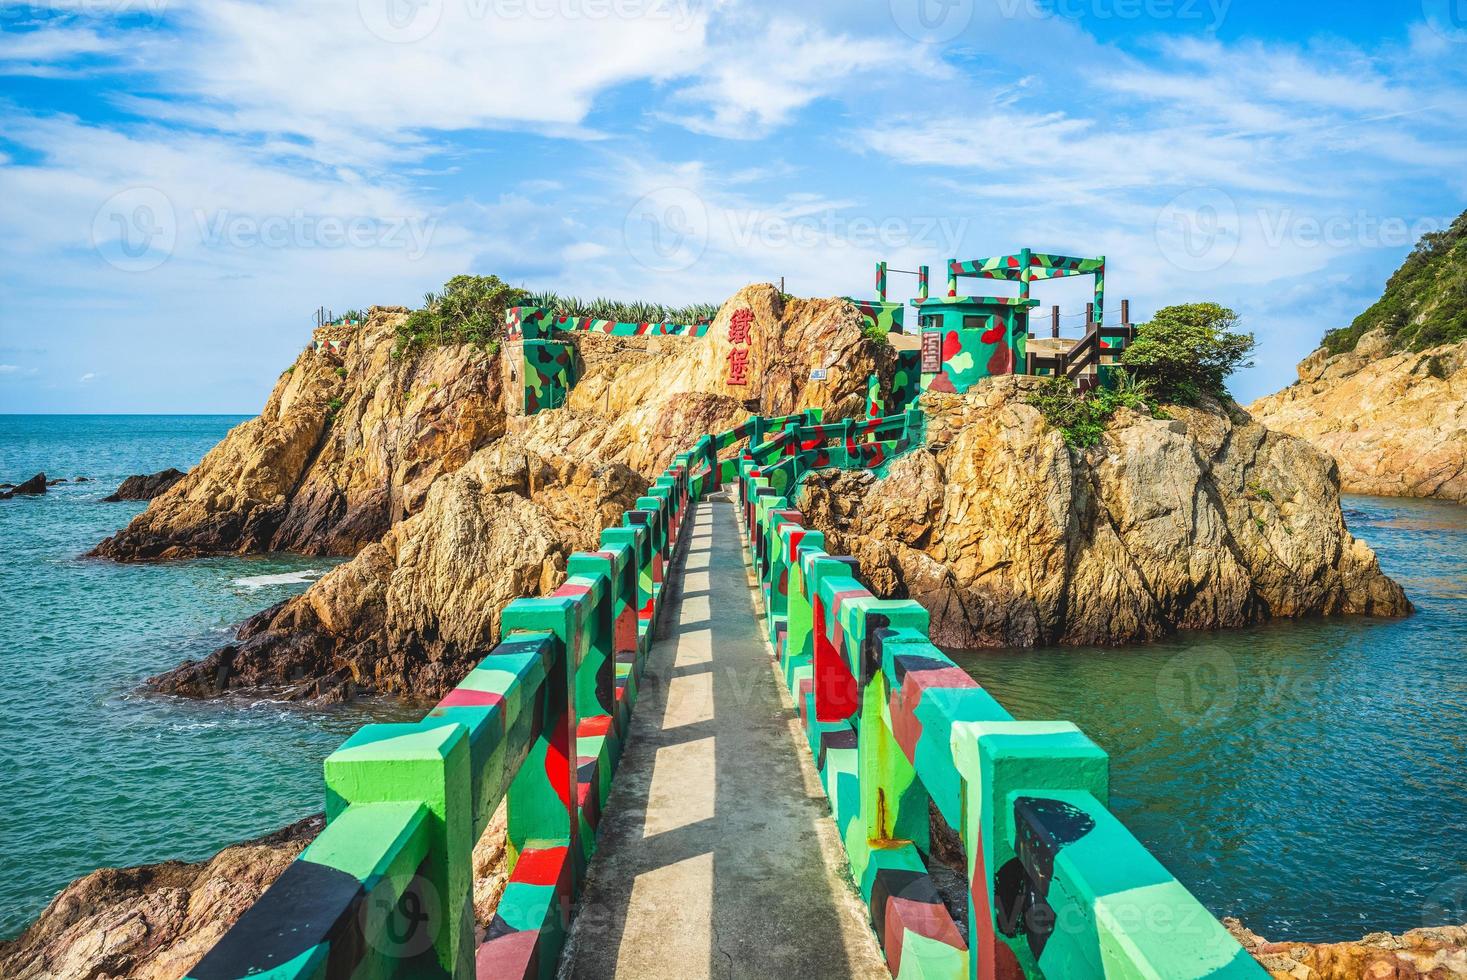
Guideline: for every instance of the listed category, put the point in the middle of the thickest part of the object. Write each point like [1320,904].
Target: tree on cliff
[1188,351]
[469,310]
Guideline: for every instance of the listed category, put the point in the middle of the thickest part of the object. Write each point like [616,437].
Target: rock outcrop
[413,611]
[1395,420]
[1009,537]
[144,487]
[348,444]
[157,921]
[152,922]
[35,485]
[411,614]
[1438,953]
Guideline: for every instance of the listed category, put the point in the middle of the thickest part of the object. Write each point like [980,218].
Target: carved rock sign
[739,329]
[931,352]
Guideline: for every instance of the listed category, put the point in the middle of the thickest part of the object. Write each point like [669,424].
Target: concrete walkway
[718,856]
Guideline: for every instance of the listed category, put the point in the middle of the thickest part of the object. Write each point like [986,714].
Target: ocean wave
[302,577]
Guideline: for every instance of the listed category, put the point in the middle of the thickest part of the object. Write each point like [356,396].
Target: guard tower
[967,338]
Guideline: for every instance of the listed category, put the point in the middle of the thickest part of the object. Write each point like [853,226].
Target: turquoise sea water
[1310,778]
[92,773]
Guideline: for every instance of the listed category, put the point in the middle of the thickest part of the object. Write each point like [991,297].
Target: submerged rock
[1010,538]
[1429,954]
[143,487]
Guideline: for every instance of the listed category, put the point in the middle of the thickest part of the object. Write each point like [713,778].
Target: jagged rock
[154,921]
[56,482]
[35,485]
[144,487]
[1009,537]
[1437,953]
[82,479]
[1395,421]
[411,615]
[335,458]
[415,610]
[157,921]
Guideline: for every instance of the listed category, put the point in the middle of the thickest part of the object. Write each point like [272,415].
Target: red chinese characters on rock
[740,327]
[738,366]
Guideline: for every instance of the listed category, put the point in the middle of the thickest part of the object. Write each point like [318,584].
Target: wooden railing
[1089,361]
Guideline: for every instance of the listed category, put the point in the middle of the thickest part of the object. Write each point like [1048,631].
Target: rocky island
[421,465]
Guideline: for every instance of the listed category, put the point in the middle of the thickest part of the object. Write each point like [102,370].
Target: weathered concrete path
[718,856]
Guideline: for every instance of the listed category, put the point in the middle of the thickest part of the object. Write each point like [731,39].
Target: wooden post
[1089,317]
[1054,321]
[1125,313]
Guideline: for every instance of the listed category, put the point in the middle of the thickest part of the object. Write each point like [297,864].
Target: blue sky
[182,182]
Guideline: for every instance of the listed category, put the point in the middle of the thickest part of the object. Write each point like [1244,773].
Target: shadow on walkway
[717,855]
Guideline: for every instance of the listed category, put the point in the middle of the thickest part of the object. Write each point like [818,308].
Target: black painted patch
[1042,828]
[903,664]
[498,927]
[911,886]
[1010,894]
[308,905]
[873,642]
[843,738]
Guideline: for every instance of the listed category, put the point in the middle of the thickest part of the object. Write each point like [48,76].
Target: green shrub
[1188,351]
[1082,418]
[610,309]
[876,332]
[469,310]
[341,372]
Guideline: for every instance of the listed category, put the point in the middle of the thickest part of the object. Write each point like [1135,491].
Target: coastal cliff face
[1008,537]
[348,443]
[1395,420]
[416,607]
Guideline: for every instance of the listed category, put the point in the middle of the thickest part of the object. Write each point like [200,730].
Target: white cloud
[88,378]
[768,69]
[8,368]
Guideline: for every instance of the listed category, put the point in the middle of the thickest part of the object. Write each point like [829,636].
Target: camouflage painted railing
[386,889]
[1058,886]
[539,322]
